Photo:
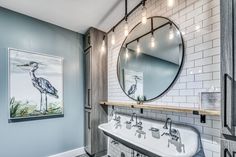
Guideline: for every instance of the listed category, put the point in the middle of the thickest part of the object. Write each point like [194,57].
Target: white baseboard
[70,153]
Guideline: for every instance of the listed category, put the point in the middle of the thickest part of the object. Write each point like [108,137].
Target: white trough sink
[154,147]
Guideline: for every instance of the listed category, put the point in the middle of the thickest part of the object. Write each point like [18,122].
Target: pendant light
[170,3]
[126,53]
[153,44]
[171,32]
[144,13]
[152,37]
[138,50]
[126,27]
[113,38]
[103,44]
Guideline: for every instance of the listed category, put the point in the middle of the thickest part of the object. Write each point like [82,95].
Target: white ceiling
[76,15]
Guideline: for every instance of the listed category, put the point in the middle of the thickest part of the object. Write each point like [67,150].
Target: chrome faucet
[174,135]
[166,127]
[137,124]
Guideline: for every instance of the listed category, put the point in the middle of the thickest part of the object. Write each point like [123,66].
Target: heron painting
[36,85]
[133,83]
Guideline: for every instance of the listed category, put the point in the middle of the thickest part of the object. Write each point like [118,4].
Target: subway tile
[211,131]
[216,124]
[211,68]
[211,52]
[203,46]
[194,85]
[203,61]
[203,76]
[186,120]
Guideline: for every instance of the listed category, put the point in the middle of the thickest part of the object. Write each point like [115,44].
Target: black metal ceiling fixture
[127,14]
[126,26]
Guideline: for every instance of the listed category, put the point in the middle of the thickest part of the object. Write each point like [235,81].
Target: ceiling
[76,15]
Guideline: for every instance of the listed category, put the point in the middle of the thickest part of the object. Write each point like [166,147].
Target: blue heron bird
[133,87]
[42,84]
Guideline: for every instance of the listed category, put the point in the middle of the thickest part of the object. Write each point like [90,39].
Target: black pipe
[126,9]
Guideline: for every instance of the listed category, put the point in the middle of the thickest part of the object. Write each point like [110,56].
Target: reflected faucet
[117,119]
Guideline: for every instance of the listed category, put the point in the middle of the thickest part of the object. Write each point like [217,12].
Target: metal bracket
[203,118]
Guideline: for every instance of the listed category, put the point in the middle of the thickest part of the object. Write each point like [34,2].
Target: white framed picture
[35,85]
[211,100]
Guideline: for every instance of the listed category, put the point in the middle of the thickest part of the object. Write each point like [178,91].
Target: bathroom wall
[199,21]
[42,138]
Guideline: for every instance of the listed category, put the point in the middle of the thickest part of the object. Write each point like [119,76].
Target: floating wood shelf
[163,108]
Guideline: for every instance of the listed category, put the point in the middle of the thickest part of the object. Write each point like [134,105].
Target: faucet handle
[117,118]
[140,127]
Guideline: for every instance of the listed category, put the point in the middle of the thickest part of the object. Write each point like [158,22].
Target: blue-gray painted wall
[42,138]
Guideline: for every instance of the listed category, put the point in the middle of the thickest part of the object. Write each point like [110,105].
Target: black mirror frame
[177,75]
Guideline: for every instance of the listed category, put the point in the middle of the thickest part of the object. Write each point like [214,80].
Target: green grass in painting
[19,109]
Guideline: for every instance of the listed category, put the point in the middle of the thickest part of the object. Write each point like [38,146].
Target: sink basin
[154,147]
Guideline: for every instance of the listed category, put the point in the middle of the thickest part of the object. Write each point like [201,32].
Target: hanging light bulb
[126,28]
[153,44]
[197,28]
[126,53]
[170,3]
[113,38]
[171,33]
[144,13]
[138,47]
[103,45]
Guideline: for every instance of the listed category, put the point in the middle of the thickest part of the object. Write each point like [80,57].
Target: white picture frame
[35,85]
[210,100]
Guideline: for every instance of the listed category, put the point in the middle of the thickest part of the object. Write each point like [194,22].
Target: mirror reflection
[150,59]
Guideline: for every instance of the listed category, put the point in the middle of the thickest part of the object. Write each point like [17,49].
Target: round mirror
[150,59]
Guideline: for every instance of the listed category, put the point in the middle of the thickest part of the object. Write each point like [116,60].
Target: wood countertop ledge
[195,111]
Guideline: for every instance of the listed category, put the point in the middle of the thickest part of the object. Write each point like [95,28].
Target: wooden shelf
[196,111]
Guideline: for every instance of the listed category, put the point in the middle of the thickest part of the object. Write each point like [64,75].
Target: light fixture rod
[126,9]
[128,14]
[168,23]
[152,25]
[144,2]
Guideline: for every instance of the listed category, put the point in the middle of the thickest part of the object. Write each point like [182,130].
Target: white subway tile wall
[199,21]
